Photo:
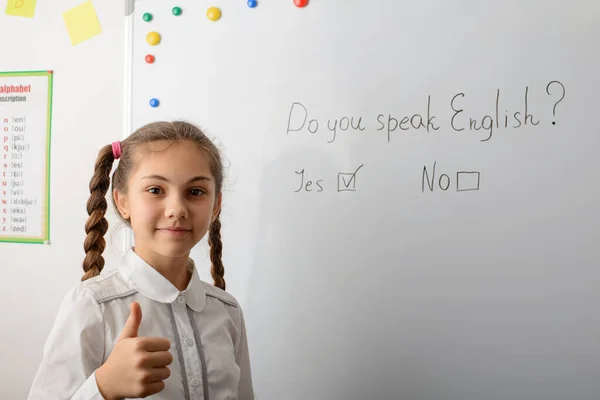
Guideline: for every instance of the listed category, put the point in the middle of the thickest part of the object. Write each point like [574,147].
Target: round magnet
[213,13]
[153,38]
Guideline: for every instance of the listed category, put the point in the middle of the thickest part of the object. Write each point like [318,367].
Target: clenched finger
[159,374]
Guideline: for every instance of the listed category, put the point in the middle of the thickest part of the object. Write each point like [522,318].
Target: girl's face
[171,199]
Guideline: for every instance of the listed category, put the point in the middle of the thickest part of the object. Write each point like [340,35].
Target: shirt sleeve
[242,356]
[73,351]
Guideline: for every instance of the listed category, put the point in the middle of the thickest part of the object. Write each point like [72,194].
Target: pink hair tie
[116,148]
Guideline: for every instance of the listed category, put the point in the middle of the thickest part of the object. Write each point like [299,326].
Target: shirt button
[188,341]
[195,382]
[180,300]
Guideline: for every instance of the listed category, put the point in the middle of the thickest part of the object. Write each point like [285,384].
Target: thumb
[133,322]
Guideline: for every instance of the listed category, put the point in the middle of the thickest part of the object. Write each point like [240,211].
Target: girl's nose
[176,208]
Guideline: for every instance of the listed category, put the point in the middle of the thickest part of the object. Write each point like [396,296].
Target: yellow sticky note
[21,8]
[82,22]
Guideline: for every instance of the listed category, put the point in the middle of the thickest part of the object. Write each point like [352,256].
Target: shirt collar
[149,282]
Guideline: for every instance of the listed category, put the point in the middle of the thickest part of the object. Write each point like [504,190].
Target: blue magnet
[251,3]
[154,102]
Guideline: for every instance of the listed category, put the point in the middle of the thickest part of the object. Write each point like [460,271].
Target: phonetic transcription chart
[25,119]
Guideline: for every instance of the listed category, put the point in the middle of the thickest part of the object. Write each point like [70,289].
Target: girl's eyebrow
[162,178]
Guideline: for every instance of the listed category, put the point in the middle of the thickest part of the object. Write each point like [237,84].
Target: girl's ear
[217,207]
[122,204]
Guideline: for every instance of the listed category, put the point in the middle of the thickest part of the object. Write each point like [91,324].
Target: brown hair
[97,225]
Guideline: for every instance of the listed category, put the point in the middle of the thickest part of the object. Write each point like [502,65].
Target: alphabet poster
[25,126]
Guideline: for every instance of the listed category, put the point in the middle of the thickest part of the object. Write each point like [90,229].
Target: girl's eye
[196,192]
[155,190]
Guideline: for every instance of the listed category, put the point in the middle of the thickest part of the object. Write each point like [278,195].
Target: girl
[151,327]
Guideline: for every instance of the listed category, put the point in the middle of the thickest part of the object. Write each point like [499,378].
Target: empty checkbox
[467,180]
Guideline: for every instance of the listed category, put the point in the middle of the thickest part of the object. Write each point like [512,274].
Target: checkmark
[347,181]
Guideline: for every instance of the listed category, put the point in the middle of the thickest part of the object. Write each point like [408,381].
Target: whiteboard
[411,204]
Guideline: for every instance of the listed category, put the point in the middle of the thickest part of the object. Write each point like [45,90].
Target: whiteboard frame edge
[128,91]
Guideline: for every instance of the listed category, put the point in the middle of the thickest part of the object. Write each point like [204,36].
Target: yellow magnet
[213,13]
[153,38]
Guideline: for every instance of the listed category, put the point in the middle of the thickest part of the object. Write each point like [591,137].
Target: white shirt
[204,324]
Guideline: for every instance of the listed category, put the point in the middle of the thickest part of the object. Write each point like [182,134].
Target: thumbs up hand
[137,366]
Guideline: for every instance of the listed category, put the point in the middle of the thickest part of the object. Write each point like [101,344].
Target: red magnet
[150,59]
[301,3]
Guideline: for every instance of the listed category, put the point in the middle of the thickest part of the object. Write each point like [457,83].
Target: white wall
[87,115]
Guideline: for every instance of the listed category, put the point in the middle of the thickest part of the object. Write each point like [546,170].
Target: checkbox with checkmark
[347,181]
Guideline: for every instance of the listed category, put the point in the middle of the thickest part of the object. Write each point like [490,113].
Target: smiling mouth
[174,231]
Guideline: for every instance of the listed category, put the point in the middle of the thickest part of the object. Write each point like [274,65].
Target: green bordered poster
[25,125]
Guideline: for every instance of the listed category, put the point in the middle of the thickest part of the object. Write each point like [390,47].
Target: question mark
[559,100]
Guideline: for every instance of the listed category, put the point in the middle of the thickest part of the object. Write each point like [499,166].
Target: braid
[96,225]
[216,249]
